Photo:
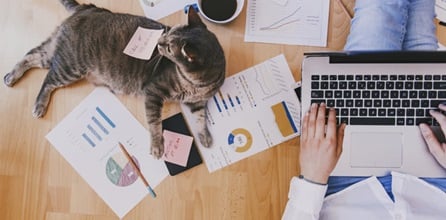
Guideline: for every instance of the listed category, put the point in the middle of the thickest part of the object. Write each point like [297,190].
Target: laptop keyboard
[380,99]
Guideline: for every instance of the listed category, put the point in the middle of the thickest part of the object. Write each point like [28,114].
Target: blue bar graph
[230,100]
[106,118]
[216,103]
[99,128]
[99,124]
[85,136]
[94,132]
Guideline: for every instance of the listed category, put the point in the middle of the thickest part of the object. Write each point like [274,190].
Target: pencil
[344,8]
[137,170]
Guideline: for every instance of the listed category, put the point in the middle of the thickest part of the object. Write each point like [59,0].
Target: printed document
[296,22]
[88,139]
[254,110]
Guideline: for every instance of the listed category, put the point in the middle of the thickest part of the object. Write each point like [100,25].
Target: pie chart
[119,171]
[240,140]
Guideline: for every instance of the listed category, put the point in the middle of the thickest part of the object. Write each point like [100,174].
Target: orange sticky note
[176,147]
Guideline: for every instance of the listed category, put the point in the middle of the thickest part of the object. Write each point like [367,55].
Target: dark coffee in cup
[219,10]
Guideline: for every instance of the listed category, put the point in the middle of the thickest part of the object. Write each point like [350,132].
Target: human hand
[437,149]
[320,148]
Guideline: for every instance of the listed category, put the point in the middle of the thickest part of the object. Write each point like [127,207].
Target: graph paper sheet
[293,22]
[88,139]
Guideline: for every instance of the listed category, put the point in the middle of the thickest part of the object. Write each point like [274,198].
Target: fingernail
[431,111]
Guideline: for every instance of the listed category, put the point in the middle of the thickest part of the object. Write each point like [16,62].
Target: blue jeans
[390,25]
[393,25]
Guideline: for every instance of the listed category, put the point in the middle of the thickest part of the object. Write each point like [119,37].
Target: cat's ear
[190,54]
[193,19]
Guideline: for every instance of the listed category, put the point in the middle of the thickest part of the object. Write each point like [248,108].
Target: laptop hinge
[384,56]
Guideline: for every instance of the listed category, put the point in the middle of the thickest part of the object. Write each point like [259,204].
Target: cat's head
[191,46]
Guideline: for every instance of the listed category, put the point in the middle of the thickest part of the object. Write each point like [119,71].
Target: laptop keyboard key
[317,94]
[372,121]
[423,120]
[439,85]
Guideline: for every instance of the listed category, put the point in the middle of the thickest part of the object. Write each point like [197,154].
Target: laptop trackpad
[376,149]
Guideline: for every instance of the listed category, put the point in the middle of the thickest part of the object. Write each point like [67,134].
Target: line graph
[297,22]
[283,21]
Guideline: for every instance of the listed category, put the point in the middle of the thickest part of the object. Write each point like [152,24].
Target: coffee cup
[218,11]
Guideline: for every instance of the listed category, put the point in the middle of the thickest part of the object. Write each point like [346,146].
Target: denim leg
[378,25]
[421,29]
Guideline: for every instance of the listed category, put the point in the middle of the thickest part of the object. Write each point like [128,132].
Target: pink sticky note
[176,147]
[143,42]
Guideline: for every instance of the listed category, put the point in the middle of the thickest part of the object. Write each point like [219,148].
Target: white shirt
[414,199]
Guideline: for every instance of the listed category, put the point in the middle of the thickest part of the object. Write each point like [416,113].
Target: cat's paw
[205,138]
[9,80]
[157,151]
[39,110]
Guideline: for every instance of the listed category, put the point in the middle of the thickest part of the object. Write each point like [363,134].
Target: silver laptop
[382,97]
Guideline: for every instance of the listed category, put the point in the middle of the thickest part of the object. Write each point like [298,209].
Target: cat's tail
[70,5]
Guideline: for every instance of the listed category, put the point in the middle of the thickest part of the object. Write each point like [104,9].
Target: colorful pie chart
[240,140]
[119,171]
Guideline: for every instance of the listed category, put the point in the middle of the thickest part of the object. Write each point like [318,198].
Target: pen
[344,8]
[137,170]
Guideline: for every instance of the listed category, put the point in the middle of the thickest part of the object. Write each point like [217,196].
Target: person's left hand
[320,149]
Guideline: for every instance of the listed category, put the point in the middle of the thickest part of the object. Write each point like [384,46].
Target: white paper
[440,10]
[297,22]
[254,110]
[88,139]
[164,8]
[142,43]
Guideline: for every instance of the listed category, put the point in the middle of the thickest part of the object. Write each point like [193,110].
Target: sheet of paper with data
[254,110]
[294,22]
[88,139]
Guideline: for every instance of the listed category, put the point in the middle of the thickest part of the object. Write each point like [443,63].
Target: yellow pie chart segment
[240,139]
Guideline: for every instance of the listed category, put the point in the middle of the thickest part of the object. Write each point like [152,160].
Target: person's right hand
[437,149]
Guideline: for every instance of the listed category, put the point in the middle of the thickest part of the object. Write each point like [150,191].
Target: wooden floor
[37,183]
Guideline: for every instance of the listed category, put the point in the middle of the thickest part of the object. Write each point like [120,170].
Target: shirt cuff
[305,197]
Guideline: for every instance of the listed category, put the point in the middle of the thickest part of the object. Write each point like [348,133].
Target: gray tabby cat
[189,65]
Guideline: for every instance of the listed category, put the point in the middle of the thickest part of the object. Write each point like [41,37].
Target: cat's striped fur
[189,65]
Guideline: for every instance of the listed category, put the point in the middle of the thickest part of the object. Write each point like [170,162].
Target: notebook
[177,124]
[382,97]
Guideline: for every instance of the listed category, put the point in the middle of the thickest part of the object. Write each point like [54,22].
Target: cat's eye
[168,48]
